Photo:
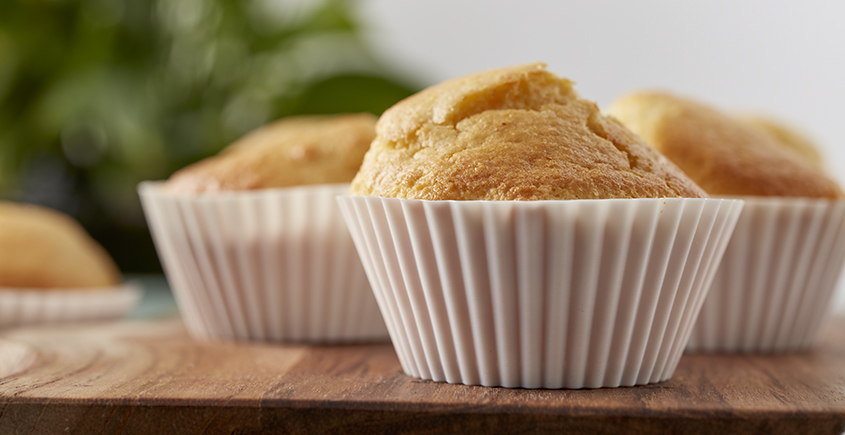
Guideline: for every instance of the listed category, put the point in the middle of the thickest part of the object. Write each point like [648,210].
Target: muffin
[516,237]
[721,154]
[252,242]
[51,270]
[295,151]
[787,136]
[779,272]
[517,133]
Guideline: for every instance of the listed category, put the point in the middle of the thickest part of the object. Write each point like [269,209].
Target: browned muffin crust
[518,133]
[722,154]
[788,136]
[290,152]
[43,249]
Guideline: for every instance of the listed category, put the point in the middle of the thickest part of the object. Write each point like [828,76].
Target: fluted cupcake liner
[546,294]
[272,264]
[36,306]
[774,288]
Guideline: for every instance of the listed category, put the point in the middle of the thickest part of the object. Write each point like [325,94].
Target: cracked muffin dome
[517,133]
[44,249]
[290,152]
[723,154]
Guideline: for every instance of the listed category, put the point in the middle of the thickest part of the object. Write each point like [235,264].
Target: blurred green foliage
[98,95]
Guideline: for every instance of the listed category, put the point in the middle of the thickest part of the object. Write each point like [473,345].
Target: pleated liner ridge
[773,290]
[274,264]
[548,294]
[28,306]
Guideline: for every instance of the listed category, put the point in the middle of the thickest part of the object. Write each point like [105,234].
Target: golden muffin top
[518,133]
[290,152]
[723,154]
[787,136]
[41,248]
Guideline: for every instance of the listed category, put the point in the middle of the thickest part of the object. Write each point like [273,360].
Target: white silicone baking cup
[546,294]
[268,265]
[774,288]
[28,306]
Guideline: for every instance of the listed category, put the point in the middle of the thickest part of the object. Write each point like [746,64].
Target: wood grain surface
[150,377]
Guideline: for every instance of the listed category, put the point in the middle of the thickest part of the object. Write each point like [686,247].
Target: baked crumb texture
[290,152]
[43,249]
[724,154]
[518,133]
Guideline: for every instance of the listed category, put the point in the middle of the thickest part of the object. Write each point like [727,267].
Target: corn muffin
[518,133]
[290,152]
[42,249]
[724,155]
[516,237]
[253,243]
[788,136]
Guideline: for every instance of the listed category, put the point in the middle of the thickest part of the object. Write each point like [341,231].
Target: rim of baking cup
[469,289]
[271,265]
[773,291]
[22,306]
[158,187]
[749,199]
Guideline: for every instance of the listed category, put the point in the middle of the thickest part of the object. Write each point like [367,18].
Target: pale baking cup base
[38,306]
[546,294]
[774,288]
[272,264]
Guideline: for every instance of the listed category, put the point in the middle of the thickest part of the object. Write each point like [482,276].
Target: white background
[782,58]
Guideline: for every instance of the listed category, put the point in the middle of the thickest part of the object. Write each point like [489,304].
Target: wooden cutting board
[149,377]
